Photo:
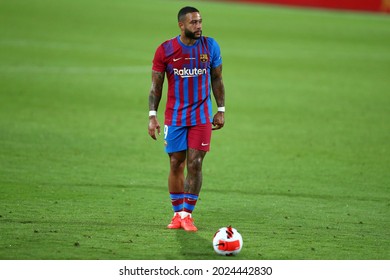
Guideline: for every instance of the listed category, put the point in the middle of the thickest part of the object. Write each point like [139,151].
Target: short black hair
[185,10]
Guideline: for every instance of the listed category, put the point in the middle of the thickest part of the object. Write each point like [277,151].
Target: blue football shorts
[180,138]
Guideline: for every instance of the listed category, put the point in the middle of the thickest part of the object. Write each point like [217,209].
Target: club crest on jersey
[204,57]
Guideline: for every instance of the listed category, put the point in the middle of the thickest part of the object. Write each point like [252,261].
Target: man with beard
[193,66]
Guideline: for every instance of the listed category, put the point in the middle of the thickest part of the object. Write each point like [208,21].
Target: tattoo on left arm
[218,86]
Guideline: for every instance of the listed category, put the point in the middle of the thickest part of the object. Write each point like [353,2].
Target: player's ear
[181,25]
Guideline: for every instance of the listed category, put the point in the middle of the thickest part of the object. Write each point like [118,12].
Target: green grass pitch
[301,169]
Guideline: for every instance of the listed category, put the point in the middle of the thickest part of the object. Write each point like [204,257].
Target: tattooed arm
[154,101]
[219,95]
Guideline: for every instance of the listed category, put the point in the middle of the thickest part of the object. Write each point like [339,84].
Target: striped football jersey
[188,72]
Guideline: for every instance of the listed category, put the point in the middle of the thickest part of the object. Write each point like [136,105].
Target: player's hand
[218,120]
[153,126]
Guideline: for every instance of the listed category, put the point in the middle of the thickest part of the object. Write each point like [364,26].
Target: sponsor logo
[176,59]
[186,73]
[204,144]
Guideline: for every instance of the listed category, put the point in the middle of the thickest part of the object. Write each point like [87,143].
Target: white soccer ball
[227,241]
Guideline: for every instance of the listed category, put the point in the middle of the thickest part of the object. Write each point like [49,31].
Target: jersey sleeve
[215,51]
[158,60]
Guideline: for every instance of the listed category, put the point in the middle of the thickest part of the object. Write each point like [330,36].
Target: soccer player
[192,64]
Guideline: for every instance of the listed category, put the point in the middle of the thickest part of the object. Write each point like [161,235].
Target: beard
[192,35]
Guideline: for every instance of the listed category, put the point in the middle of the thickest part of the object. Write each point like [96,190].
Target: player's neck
[187,41]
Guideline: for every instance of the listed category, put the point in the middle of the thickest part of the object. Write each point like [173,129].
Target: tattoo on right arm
[156,90]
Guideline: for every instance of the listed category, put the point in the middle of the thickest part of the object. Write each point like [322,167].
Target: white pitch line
[65,46]
[36,69]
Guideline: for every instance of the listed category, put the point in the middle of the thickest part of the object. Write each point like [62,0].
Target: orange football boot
[188,224]
[176,222]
